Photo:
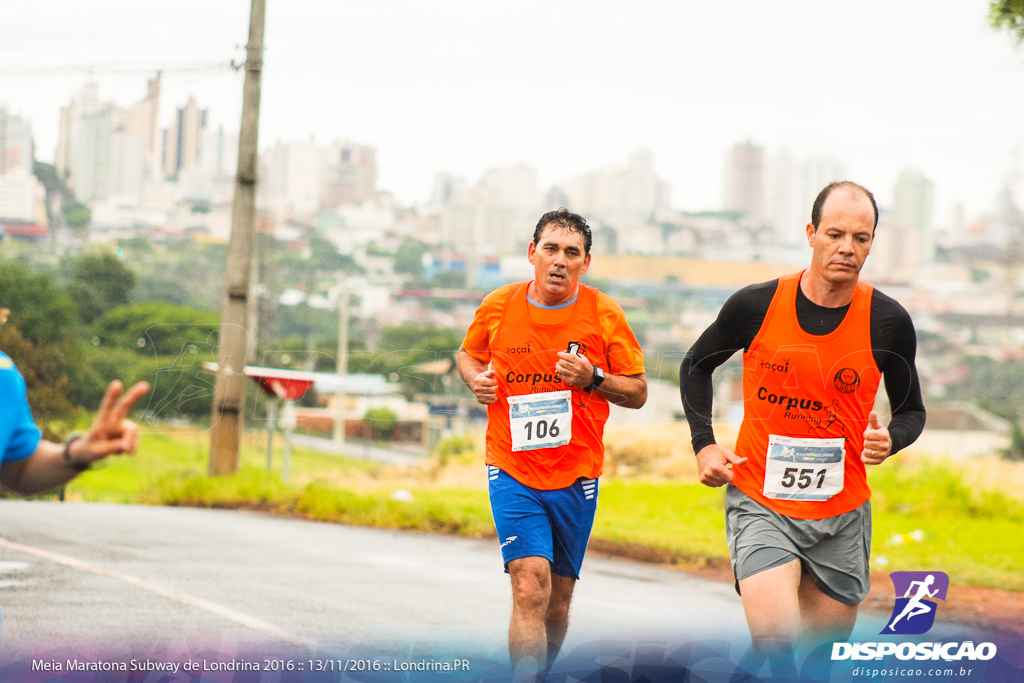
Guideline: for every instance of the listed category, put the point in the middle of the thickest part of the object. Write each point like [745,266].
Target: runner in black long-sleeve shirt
[893,343]
[816,346]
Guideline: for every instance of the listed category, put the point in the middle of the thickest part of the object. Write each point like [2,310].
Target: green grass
[463,512]
[686,518]
[166,457]
[972,534]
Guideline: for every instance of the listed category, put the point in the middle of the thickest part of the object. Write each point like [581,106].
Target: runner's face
[558,261]
[843,238]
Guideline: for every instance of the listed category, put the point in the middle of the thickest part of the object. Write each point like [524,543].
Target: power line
[118,69]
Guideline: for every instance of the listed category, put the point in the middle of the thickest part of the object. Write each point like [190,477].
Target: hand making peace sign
[111,433]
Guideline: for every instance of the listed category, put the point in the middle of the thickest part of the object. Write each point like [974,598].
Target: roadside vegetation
[961,518]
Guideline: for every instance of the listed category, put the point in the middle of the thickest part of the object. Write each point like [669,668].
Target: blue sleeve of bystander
[19,435]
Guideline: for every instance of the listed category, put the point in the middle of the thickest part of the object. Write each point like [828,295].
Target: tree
[1008,14]
[409,257]
[100,283]
[449,279]
[1015,452]
[77,214]
[166,346]
[381,421]
[56,189]
[46,173]
[39,336]
[404,347]
[324,256]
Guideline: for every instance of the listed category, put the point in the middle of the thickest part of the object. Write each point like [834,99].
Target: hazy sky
[566,87]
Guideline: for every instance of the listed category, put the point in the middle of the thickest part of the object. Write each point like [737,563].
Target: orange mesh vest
[808,386]
[523,356]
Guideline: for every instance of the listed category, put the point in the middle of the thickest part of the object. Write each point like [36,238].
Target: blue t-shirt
[19,434]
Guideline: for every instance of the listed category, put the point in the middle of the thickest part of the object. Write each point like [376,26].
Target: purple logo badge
[916,595]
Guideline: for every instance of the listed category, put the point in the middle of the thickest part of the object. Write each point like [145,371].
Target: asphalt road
[106,579]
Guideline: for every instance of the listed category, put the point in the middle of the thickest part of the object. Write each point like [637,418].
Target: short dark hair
[819,201]
[566,219]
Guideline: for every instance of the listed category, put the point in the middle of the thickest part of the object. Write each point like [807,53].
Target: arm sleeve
[478,337]
[19,435]
[895,343]
[735,328]
[625,357]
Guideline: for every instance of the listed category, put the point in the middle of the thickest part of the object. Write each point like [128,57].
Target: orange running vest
[808,386]
[523,356]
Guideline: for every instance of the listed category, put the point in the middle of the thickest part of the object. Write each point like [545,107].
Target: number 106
[543,429]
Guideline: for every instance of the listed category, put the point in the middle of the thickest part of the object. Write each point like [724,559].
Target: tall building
[511,187]
[104,150]
[783,209]
[69,164]
[494,216]
[91,166]
[447,189]
[635,189]
[298,179]
[744,182]
[127,158]
[815,173]
[22,197]
[292,178]
[144,122]
[351,174]
[218,153]
[306,175]
[792,186]
[16,150]
[913,207]
[181,139]
[895,253]
[1006,225]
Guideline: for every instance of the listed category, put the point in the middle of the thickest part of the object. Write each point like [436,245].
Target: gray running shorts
[834,550]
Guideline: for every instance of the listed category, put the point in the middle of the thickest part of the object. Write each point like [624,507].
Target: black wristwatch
[68,460]
[598,378]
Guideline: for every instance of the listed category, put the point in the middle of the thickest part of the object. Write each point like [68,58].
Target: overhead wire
[118,69]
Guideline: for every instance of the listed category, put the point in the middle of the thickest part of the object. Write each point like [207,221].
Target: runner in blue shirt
[30,464]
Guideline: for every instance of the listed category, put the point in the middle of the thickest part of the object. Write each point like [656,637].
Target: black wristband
[77,466]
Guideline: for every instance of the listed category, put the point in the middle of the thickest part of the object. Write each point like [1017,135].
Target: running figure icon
[915,605]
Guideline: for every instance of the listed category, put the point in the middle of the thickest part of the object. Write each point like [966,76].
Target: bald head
[845,187]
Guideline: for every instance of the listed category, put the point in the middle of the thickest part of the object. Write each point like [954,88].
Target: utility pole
[230,390]
[339,398]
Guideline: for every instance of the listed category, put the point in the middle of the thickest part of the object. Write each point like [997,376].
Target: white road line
[220,610]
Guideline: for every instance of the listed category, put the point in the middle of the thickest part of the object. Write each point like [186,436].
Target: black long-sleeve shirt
[893,343]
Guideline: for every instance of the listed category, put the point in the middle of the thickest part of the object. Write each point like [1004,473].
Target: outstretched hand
[111,433]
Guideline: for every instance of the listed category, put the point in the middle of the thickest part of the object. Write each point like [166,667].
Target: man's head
[563,218]
[819,201]
[560,253]
[841,231]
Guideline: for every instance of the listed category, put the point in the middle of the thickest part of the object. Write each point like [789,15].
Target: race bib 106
[803,469]
[540,420]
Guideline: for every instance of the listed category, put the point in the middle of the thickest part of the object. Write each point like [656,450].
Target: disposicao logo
[916,595]
[914,614]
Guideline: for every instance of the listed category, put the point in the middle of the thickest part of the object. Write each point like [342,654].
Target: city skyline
[459,88]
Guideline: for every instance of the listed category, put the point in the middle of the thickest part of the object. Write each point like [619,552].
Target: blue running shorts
[533,522]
